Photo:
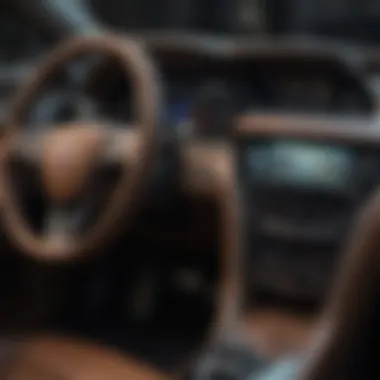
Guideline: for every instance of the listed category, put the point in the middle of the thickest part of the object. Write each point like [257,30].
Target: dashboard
[343,19]
[299,195]
[236,75]
[267,89]
[281,71]
[299,184]
[286,74]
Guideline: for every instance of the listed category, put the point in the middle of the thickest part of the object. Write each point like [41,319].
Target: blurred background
[349,20]
[347,28]
[218,59]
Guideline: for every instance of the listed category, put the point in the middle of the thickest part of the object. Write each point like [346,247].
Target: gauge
[60,106]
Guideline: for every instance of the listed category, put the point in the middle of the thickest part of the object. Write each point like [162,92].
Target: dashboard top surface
[258,47]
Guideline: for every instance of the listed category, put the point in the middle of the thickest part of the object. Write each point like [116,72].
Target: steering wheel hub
[69,157]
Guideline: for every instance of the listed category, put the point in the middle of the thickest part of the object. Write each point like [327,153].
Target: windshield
[348,20]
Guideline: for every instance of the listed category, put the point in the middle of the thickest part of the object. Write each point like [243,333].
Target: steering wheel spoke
[60,228]
[123,145]
[27,146]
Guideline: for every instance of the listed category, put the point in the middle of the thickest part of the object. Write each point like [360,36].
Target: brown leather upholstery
[69,155]
[49,358]
[347,347]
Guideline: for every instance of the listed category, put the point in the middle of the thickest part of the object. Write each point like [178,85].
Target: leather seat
[348,343]
[55,358]
[348,340]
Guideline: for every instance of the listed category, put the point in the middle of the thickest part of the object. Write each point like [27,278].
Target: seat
[347,344]
[59,358]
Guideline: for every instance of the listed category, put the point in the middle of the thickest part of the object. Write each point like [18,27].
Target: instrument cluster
[219,89]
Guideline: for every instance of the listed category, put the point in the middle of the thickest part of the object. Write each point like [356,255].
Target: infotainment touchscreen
[286,162]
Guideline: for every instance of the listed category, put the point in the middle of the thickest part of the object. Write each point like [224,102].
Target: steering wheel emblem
[69,156]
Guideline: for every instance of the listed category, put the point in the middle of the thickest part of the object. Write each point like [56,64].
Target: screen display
[301,164]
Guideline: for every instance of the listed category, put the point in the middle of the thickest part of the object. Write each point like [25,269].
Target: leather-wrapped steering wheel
[67,156]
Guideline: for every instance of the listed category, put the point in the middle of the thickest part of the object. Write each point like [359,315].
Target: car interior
[189,189]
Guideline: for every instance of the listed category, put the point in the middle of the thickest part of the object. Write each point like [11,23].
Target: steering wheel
[68,155]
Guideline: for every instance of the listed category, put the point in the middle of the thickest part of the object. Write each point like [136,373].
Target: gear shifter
[232,361]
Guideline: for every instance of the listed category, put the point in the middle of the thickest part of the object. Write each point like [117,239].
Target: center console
[302,196]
